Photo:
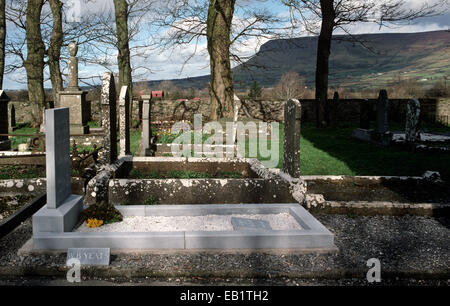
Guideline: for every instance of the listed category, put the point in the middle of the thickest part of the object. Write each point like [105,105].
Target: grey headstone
[240,224]
[292,125]
[12,118]
[57,146]
[109,118]
[364,114]
[382,123]
[90,256]
[412,120]
[124,121]
[4,125]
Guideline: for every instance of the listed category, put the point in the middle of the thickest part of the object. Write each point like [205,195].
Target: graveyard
[214,214]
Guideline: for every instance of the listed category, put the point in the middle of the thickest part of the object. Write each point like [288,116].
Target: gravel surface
[282,221]
[412,247]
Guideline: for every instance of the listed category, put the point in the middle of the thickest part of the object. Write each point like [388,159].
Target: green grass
[332,151]
[22,129]
[94,124]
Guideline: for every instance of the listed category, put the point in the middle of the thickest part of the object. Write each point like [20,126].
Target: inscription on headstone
[90,256]
[242,224]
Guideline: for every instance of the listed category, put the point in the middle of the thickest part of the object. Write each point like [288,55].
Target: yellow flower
[93,223]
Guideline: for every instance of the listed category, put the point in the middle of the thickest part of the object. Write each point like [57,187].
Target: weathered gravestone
[292,125]
[245,224]
[5,143]
[382,121]
[74,98]
[412,121]
[382,135]
[124,111]
[63,208]
[12,118]
[364,114]
[147,148]
[109,118]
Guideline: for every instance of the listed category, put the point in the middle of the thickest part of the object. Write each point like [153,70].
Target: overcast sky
[169,64]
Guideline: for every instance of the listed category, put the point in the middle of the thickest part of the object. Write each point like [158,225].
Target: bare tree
[2,40]
[227,26]
[290,86]
[34,64]
[329,15]
[54,50]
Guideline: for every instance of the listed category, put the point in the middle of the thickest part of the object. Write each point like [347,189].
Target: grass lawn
[332,151]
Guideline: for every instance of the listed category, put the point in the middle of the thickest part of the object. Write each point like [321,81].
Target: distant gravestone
[109,118]
[364,114]
[146,145]
[12,118]
[124,121]
[292,125]
[245,224]
[90,256]
[412,120]
[382,121]
[74,98]
[5,143]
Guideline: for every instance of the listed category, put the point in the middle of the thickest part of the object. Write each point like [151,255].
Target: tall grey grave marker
[124,109]
[412,120]
[63,208]
[109,118]
[5,143]
[292,125]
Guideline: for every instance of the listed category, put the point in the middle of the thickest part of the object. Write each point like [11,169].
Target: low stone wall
[199,191]
[36,186]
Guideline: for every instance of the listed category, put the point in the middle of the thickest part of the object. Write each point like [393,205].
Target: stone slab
[313,234]
[90,256]
[240,224]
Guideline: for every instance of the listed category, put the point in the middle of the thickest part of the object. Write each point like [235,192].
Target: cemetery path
[413,248]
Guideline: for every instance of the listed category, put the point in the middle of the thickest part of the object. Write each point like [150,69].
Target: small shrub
[102,211]
[151,200]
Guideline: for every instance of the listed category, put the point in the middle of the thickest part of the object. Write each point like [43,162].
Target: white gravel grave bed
[281,221]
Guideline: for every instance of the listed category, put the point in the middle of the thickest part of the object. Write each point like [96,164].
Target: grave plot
[269,218]
[162,180]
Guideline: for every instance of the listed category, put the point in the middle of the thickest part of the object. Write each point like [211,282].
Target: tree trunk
[220,15]
[323,55]
[34,63]
[54,51]
[123,57]
[2,40]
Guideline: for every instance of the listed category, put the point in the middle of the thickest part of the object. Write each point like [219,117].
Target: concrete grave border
[312,236]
